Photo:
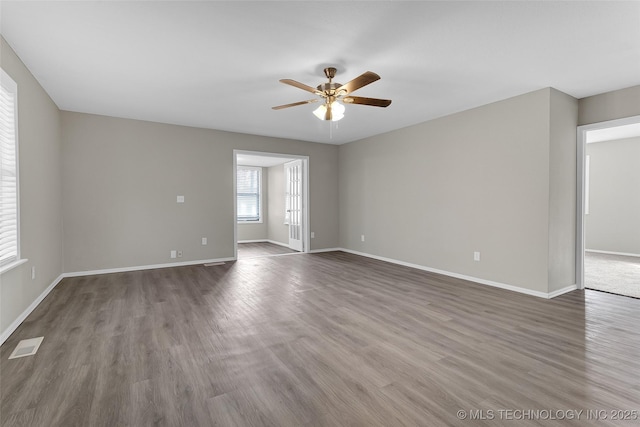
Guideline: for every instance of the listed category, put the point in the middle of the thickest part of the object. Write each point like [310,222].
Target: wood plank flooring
[256,249]
[328,339]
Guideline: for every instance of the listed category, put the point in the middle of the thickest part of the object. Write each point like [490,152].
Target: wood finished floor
[256,249]
[328,339]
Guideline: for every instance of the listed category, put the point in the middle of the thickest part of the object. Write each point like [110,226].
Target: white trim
[145,267]
[278,243]
[5,268]
[462,276]
[306,197]
[581,148]
[265,241]
[562,291]
[587,180]
[319,251]
[611,253]
[14,325]
[580,187]
[235,204]
[270,255]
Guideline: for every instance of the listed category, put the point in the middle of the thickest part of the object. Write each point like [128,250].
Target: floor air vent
[26,348]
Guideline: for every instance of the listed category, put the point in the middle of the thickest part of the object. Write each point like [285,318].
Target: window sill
[249,222]
[12,265]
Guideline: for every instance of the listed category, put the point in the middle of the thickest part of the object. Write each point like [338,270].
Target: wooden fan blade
[358,82]
[376,102]
[302,86]
[295,104]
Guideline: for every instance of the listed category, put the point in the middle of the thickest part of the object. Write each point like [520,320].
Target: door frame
[306,234]
[580,187]
[295,221]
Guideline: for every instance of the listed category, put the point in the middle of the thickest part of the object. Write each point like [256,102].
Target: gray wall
[278,231]
[613,222]
[40,193]
[613,105]
[121,178]
[479,180]
[562,190]
[258,231]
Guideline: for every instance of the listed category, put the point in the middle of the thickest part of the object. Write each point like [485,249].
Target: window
[9,243]
[249,194]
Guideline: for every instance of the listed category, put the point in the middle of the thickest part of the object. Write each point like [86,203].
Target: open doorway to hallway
[610,244]
[271,198]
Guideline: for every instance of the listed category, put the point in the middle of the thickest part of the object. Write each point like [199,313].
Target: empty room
[301,213]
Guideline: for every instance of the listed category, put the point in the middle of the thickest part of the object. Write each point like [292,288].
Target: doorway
[271,193]
[608,209]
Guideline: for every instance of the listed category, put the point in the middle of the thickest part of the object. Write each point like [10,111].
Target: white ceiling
[217,64]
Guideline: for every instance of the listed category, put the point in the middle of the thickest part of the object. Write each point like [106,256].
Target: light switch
[180,199]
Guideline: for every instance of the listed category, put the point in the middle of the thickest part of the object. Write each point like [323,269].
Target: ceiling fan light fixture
[333,111]
[320,112]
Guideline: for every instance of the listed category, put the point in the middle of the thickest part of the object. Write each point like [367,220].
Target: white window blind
[8,170]
[248,193]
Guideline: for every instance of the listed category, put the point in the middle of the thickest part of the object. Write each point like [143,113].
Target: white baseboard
[562,291]
[7,333]
[318,251]
[286,245]
[145,267]
[464,277]
[611,253]
[13,326]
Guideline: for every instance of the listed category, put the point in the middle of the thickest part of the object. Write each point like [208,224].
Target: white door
[293,175]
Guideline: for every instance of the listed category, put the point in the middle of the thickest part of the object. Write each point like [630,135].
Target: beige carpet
[612,273]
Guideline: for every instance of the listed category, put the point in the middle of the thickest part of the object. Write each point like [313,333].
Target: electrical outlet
[204,241]
[179,254]
[180,199]
[313,235]
[362,237]
[476,256]
[173,254]
[33,272]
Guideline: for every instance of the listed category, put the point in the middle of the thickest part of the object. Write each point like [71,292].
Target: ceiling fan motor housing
[329,88]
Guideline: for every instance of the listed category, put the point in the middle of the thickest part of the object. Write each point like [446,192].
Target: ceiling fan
[331,93]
